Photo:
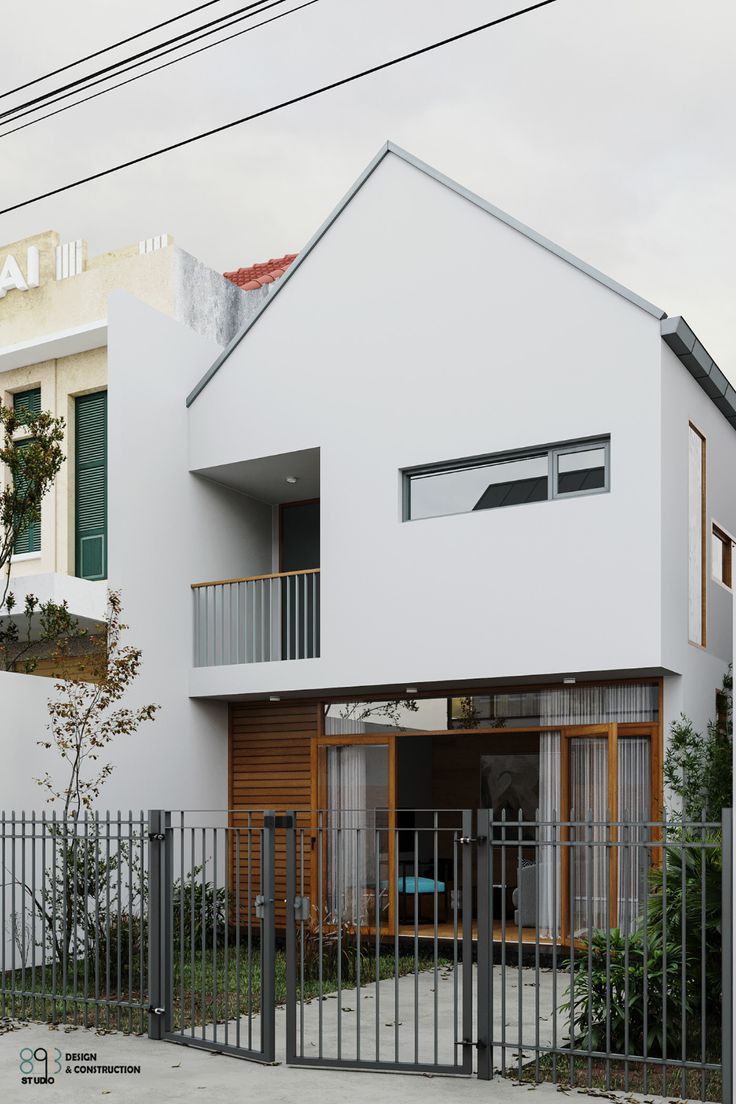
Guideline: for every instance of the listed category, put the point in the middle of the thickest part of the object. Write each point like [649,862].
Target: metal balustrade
[260,619]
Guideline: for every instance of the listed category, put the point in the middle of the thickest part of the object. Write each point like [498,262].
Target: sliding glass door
[358,792]
[606,791]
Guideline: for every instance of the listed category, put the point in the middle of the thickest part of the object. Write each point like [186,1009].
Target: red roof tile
[256,275]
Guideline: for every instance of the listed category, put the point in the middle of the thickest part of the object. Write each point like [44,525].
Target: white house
[450,502]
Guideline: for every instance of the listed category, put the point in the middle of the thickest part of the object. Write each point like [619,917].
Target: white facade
[419,328]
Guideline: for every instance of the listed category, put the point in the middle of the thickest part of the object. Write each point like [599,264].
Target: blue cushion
[423,885]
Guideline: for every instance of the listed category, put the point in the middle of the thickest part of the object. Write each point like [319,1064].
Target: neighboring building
[421,521]
[54,337]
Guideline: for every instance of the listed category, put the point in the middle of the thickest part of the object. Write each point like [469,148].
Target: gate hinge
[301,908]
[155,1011]
[260,905]
[156,836]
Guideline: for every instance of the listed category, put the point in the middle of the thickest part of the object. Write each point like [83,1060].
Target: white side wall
[700,670]
[422,329]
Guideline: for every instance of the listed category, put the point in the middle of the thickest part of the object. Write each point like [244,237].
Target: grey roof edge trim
[458,189]
[522,228]
[683,342]
[302,256]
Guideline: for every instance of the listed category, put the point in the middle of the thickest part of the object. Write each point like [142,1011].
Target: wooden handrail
[255,578]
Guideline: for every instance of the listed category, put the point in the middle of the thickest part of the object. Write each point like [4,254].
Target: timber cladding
[270,752]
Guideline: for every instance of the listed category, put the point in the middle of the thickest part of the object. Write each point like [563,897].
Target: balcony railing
[258,619]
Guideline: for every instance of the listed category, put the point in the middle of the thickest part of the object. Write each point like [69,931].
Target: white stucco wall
[163,537]
[700,670]
[423,329]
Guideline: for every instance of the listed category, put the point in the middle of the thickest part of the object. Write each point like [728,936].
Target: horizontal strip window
[508,479]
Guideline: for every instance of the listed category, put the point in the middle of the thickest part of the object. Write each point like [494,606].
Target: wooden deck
[445,931]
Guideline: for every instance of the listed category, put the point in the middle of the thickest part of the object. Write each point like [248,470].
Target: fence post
[268,937]
[727,955]
[291,881]
[485,949]
[156,943]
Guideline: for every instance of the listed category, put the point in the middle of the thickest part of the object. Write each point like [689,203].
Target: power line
[12,111]
[278,107]
[137,64]
[106,49]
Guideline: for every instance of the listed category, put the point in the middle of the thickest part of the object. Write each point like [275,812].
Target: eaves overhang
[700,364]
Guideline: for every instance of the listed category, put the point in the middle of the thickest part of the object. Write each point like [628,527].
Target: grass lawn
[204,990]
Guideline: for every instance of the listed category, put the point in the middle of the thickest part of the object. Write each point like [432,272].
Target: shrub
[629,977]
[198,912]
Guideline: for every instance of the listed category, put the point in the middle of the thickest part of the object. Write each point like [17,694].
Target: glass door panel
[358,845]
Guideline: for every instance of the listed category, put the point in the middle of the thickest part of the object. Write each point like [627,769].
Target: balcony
[259,619]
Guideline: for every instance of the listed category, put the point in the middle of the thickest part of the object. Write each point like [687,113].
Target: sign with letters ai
[12,277]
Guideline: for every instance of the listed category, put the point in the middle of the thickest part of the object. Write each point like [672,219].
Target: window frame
[727,542]
[703,527]
[551,451]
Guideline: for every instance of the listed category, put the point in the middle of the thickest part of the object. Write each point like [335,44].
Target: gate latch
[301,908]
[156,1011]
[156,836]
[260,906]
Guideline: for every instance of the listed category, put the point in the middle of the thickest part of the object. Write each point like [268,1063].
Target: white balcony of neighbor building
[85,600]
[271,613]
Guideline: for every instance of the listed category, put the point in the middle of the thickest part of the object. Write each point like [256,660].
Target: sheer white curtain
[549,815]
[348,837]
[634,810]
[623,703]
[589,865]
[580,705]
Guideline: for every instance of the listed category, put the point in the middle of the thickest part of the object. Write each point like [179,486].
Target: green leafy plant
[31,454]
[698,770]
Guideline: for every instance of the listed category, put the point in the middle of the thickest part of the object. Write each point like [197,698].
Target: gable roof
[675,332]
[257,275]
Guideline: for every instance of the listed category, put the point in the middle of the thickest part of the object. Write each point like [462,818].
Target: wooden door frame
[378,739]
[613,733]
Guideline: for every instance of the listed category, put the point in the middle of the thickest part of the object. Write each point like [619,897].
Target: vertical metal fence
[604,956]
[257,620]
[591,953]
[75,933]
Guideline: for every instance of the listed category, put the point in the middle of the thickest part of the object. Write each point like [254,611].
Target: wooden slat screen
[270,757]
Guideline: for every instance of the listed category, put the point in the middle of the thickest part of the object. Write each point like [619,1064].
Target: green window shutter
[29,538]
[25,403]
[91,486]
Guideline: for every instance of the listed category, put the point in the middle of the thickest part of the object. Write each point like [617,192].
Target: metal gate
[356,927]
[379,949]
[212,903]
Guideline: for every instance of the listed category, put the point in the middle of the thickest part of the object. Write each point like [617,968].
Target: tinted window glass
[481,487]
[583,470]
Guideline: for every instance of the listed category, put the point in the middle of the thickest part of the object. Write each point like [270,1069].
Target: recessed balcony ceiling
[271,478]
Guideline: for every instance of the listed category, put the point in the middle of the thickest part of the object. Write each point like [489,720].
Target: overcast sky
[610,127]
